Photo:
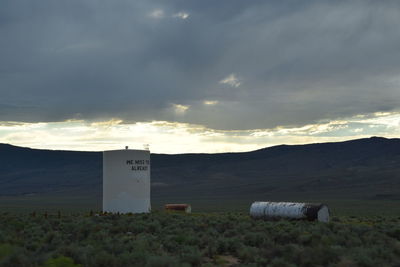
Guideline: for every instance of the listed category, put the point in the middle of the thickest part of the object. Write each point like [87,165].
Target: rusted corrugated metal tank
[179,207]
[290,210]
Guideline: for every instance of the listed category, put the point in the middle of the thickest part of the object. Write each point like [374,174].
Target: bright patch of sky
[231,80]
[210,102]
[157,13]
[170,137]
[181,15]
[180,109]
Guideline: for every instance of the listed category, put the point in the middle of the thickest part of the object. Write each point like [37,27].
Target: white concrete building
[126,181]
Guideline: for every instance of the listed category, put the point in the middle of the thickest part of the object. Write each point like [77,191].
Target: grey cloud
[298,62]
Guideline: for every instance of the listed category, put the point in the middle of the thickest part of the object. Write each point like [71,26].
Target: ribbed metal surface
[290,210]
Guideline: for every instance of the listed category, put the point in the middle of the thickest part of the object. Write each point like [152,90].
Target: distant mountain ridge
[363,168]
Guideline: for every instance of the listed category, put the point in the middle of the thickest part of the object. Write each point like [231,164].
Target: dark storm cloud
[297,62]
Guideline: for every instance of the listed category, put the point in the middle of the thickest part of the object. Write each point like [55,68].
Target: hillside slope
[360,169]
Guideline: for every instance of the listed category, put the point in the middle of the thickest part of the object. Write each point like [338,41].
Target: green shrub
[247,254]
[162,261]
[6,250]
[279,262]
[61,262]
[192,256]
[196,239]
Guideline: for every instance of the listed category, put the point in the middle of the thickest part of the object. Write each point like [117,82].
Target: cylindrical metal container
[179,207]
[126,181]
[289,210]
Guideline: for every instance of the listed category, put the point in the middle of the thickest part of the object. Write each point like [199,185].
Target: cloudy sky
[197,76]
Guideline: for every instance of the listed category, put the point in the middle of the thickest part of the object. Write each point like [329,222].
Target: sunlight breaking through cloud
[180,109]
[231,80]
[181,15]
[210,102]
[174,137]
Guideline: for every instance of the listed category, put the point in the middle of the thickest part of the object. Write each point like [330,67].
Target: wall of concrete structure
[126,181]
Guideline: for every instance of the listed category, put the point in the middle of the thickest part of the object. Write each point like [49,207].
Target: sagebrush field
[202,239]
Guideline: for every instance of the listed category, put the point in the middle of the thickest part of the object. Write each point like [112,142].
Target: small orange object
[179,207]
